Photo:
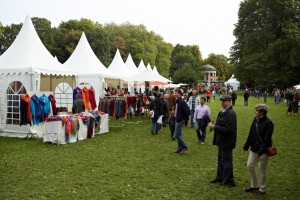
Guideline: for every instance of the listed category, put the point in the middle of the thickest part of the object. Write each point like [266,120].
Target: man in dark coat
[180,116]
[233,97]
[246,97]
[225,138]
[78,105]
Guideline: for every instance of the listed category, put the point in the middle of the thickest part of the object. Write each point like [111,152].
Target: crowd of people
[176,107]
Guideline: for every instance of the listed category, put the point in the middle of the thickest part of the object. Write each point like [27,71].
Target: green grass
[130,163]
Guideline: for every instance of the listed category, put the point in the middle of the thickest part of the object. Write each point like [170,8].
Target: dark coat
[180,111]
[265,130]
[246,95]
[158,107]
[225,130]
[78,105]
[233,95]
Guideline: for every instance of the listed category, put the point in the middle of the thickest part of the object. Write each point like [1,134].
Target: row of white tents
[29,62]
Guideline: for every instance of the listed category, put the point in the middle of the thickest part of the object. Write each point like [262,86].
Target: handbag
[271,151]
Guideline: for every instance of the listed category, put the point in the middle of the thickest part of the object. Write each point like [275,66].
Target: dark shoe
[251,189]
[260,193]
[184,151]
[215,181]
[177,151]
[152,132]
[230,184]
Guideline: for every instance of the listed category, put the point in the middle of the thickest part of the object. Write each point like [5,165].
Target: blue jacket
[45,107]
[35,110]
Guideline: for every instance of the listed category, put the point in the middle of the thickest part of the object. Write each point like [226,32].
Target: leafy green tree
[221,63]
[185,55]
[185,75]
[8,35]
[267,46]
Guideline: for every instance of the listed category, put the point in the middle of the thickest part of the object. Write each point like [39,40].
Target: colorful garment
[86,98]
[35,110]
[25,111]
[53,104]
[45,107]
[92,98]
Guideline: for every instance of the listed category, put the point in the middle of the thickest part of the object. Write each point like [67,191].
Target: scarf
[27,98]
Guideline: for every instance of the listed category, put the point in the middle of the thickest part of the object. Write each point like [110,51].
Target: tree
[267,46]
[221,63]
[185,75]
[185,55]
[8,35]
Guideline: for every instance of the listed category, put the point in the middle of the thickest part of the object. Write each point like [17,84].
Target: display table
[54,131]
[103,124]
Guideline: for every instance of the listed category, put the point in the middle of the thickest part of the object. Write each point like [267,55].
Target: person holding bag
[260,140]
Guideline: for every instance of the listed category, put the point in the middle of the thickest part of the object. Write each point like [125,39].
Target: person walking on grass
[158,108]
[193,102]
[233,97]
[225,131]
[208,94]
[181,113]
[259,139]
[265,95]
[201,118]
[246,97]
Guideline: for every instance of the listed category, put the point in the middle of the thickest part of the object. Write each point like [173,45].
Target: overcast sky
[207,23]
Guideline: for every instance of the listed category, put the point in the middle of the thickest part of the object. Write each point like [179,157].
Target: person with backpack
[181,114]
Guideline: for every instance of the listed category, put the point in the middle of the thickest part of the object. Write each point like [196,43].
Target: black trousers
[225,166]
[233,101]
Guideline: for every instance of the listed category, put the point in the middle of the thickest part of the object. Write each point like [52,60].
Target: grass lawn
[130,163]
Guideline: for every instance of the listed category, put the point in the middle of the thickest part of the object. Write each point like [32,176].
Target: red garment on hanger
[92,98]
[53,104]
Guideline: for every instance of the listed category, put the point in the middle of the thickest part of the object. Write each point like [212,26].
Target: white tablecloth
[54,132]
[103,124]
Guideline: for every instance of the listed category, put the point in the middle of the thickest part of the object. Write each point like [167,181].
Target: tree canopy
[267,46]
[221,63]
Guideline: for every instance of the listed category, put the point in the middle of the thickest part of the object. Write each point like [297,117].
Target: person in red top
[208,94]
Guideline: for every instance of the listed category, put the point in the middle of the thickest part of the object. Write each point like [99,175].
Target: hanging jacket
[45,107]
[25,111]
[86,98]
[53,104]
[92,98]
[76,91]
[35,110]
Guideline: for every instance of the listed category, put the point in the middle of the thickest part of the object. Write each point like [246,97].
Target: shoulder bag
[271,151]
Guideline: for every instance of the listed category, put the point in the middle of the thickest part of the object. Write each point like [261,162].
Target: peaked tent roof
[149,67]
[118,67]
[232,80]
[141,66]
[84,61]
[147,75]
[130,64]
[155,70]
[27,54]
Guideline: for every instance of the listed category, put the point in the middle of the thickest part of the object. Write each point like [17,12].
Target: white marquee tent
[233,82]
[147,75]
[149,67]
[26,67]
[88,67]
[118,67]
[130,64]
[141,66]
[155,70]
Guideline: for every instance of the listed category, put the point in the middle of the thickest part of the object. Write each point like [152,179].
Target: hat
[225,98]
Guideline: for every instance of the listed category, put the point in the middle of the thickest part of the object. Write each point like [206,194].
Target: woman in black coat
[259,139]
